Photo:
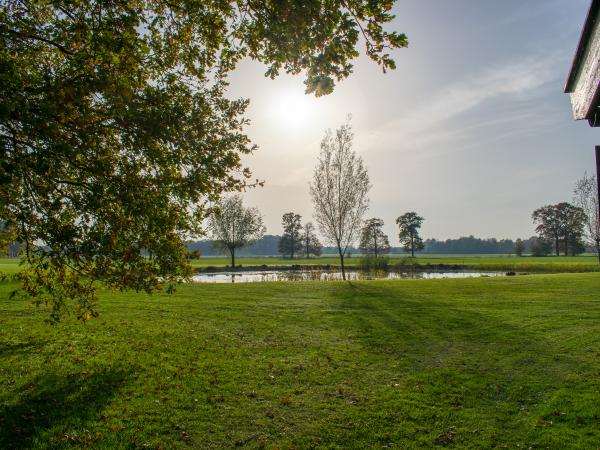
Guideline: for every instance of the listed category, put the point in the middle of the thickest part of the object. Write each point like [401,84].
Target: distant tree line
[471,244]
[269,246]
[339,191]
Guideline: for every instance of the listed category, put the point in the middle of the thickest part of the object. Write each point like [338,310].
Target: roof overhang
[583,83]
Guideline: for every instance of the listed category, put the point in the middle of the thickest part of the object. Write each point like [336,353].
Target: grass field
[475,262]
[478,262]
[509,362]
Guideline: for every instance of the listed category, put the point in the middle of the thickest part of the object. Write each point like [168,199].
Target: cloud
[520,81]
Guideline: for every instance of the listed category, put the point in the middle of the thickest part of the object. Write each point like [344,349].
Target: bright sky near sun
[472,131]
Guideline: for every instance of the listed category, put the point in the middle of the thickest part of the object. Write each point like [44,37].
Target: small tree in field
[233,226]
[339,190]
[519,247]
[409,225]
[373,241]
[291,241]
[585,196]
[310,241]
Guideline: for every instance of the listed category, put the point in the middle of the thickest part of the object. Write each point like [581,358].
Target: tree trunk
[232,251]
[557,244]
[598,249]
[412,246]
[342,262]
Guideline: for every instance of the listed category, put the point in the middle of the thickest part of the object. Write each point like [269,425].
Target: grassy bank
[549,264]
[481,363]
[473,262]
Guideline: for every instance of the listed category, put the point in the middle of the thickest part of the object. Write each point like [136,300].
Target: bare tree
[339,190]
[585,196]
[233,226]
[310,241]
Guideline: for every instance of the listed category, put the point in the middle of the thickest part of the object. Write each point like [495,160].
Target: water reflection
[319,275]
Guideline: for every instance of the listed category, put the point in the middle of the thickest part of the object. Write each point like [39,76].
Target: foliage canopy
[562,224]
[409,225]
[373,241]
[290,243]
[116,134]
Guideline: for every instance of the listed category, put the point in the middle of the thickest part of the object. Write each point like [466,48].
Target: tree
[561,224]
[585,196]
[339,190]
[310,241]
[409,225]
[117,135]
[373,241]
[291,240]
[233,226]
[519,247]
[540,247]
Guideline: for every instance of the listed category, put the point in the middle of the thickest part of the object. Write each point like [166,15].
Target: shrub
[540,247]
[373,263]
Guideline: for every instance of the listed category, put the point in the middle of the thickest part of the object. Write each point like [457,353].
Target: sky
[472,131]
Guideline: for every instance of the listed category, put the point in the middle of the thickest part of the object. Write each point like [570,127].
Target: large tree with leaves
[409,225]
[233,226]
[116,134]
[562,224]
[373,241]
[291,241]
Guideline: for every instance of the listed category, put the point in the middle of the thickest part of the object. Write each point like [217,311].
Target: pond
[318,275]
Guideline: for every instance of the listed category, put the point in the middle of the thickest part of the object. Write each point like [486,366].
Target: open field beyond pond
[473,262]
[509,362]
[470,262]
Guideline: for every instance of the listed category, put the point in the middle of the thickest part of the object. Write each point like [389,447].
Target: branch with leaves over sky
[117,134]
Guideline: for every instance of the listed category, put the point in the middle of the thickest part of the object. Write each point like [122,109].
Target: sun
[291,110]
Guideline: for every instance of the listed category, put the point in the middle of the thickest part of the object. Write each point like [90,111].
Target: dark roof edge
[583,41]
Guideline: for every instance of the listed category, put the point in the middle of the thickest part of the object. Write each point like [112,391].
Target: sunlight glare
[292,110]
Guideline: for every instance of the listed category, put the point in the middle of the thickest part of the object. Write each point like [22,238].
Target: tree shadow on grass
[55,400]
[385,318]
[464,364]
[10,348]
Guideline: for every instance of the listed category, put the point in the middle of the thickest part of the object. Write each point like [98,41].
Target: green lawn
[9,265]
[510,362]
[474,262]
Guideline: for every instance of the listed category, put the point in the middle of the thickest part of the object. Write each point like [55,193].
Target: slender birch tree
[339,190]
[585,196]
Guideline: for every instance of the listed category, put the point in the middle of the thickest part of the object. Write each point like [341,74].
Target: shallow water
[305,275]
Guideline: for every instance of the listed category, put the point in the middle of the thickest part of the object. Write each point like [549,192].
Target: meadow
[471,262]
[508,362]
